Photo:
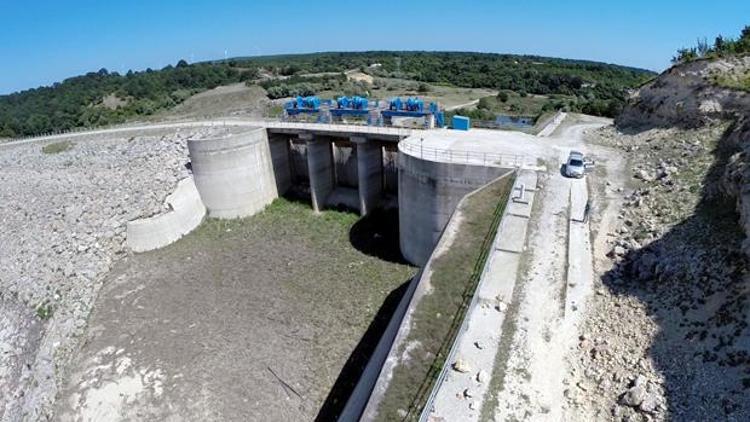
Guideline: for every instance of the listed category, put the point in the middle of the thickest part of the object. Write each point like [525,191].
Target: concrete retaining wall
[234,174]
[363,403]
[187,212]
[428,193]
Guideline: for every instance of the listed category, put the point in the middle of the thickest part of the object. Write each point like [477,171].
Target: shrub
[57,147]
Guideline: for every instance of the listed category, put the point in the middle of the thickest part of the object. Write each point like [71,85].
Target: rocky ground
[62,225]
[666,337]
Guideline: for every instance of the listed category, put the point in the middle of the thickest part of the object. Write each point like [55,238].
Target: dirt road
[552,290]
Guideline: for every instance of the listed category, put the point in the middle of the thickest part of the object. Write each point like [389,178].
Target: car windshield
[576,163]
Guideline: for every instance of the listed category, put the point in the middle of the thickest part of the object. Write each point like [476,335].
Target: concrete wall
[279,147]
[320,165]
[428,192]
[345,158]
[187,212]
[369,173]
[298,162]
[234,174]
[366,396]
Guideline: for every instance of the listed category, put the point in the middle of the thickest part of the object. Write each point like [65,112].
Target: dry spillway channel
[263,318]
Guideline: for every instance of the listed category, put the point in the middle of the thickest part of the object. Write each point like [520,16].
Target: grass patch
[44,311]
[438,316]
[737,81]
[57,147]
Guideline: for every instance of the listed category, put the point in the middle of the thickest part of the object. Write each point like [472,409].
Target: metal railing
[490,159]
[269,123]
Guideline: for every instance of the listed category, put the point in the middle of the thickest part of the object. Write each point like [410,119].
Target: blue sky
[45,41]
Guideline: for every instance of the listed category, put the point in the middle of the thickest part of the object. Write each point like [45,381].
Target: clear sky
[44,41]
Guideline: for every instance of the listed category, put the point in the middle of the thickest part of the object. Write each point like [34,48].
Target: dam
[269,279]
[359,168]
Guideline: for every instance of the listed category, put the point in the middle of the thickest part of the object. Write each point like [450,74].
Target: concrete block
[187,212]
[512,234]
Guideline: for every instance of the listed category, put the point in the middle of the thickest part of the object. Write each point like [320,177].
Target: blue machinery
[303,105]
[361,106]
[413,107]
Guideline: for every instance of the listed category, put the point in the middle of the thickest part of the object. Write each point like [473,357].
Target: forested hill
[103,97]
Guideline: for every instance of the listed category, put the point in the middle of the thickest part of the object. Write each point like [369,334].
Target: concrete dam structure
[240,173]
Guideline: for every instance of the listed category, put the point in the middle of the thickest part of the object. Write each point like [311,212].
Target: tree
[502,96]
[484,103]
[181,64]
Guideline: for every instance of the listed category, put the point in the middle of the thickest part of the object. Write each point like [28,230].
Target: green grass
[739,82]
[438,316]
[44,311]
[520,105]
[387,88]
[57,147]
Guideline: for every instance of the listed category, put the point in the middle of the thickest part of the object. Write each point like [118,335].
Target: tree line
[721,47]
[78,101]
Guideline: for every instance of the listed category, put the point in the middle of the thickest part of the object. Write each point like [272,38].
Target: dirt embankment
[687,96]
[667,337]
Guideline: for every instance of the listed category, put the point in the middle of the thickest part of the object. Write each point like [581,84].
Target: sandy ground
[248,320]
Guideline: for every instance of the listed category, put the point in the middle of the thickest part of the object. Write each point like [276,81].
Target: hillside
[667,336]
[103,97]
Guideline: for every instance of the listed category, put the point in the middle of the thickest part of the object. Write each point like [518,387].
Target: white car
[575,166]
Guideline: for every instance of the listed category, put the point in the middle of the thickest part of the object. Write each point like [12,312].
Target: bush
[502,96]
[57,147]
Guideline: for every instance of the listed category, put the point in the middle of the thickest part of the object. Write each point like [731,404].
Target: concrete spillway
[240,173]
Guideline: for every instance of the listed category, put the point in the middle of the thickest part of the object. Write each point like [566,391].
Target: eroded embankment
[437,308]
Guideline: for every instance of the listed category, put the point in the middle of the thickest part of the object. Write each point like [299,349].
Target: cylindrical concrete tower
[428,193]
[234,173]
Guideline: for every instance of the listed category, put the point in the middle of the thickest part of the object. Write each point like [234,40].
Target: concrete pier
[234,174]
[279,147]
[369,173]
[320,166]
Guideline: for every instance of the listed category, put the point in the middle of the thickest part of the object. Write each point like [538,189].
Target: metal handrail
[268,122]
[491,159]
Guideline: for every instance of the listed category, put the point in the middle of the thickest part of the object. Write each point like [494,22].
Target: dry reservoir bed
[265,318]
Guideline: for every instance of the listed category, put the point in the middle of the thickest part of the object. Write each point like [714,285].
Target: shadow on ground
[355,365]
[694,285]
[376,234]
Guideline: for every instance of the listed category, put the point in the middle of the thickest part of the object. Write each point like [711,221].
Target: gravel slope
[62,224]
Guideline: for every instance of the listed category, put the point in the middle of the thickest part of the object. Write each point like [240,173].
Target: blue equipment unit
[439,115]
[303,105]
[412,107]
[461,123]
[351,106]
